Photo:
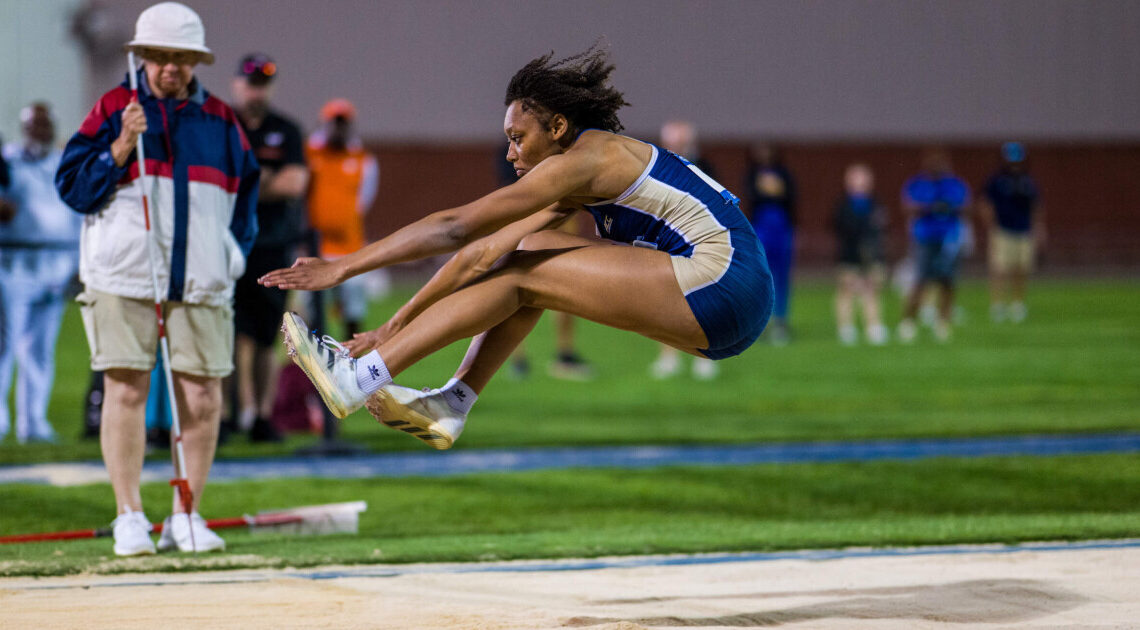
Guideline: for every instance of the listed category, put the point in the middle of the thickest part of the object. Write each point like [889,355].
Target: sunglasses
[259,66]
[163,57]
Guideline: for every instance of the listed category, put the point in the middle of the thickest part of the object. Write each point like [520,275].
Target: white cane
[181,484]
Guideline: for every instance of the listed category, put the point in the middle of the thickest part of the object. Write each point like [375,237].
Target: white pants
[33,286]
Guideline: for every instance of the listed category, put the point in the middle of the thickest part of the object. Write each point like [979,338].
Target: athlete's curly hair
[576,87]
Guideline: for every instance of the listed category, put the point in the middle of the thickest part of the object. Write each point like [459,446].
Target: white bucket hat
[171,25]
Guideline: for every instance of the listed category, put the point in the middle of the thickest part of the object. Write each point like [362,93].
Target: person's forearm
[455,273]
[288,183]
[477,259]
[121,151]
[437,233]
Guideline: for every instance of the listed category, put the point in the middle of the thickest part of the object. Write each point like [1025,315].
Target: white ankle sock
[459,395]
[371,373]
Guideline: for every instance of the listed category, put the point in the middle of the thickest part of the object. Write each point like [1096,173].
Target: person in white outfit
[39,256]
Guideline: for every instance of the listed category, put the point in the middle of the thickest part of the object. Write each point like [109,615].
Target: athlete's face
[531,142]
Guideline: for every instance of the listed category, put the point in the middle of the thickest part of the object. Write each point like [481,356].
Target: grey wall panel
[436,69]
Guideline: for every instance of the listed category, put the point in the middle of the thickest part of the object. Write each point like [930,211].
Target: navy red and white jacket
[202,179]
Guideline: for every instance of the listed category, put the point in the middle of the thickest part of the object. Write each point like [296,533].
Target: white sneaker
[997,312]
[176,533]
[878,335]
[1018,312]
[425,415]
[705,369]
[928,314]
[942,331]
[907,331]
[848,335]
[328,365]
[666,366]
[132,534]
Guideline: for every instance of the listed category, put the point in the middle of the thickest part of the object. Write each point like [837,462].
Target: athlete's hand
[134,125]
[364,342]
[307,274]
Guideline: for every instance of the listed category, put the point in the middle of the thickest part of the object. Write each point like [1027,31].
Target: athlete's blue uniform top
[720,264]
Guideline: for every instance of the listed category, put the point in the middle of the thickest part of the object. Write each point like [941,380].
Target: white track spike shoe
[425,415]
[328,365]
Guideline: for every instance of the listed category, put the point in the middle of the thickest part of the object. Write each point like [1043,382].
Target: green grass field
[1070,368]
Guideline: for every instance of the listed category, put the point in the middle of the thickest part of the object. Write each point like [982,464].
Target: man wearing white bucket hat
[194,208]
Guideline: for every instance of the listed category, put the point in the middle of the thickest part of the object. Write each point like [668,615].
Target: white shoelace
[335,346]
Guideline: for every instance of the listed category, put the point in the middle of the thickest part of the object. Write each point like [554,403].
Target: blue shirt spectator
[939,199]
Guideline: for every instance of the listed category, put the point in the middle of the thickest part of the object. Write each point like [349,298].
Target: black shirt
[771,188]
[278,143]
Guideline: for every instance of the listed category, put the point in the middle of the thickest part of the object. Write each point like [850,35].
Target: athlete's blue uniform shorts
[735,309]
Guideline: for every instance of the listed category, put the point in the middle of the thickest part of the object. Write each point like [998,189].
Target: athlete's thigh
[631,288]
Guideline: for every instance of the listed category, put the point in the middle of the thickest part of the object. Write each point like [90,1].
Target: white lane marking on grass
[573,564]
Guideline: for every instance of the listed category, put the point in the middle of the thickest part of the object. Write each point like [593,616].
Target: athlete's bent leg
[488,351]
[485,355]
[624,287]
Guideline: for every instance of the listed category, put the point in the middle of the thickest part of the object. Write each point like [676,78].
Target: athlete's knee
[546,239]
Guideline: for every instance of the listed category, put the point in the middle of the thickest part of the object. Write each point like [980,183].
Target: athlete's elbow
[454,230]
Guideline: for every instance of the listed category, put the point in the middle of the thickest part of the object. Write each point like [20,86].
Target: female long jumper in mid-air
[676,262]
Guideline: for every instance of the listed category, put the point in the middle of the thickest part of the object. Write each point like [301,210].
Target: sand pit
[1076,588]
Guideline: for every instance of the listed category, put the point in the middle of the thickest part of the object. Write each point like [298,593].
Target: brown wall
[1091,191]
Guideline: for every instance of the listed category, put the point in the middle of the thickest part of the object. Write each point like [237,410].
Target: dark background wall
[1090,191]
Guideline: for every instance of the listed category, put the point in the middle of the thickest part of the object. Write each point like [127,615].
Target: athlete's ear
[558,126]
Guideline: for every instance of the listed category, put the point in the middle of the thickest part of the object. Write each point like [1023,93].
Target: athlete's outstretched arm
[556,178]
[468,264]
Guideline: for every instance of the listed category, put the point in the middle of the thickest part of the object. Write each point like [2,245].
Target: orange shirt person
[343,186]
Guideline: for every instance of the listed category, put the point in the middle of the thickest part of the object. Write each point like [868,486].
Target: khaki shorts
[1011,252]
[123,333]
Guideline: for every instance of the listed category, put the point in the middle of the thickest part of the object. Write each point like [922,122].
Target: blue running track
[434,463]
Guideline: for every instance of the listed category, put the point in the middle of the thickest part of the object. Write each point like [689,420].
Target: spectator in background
[937,202]
[202,184]
[860,221]
[568,364]
[39,255]
[773,194]
[345,180]
[1010,207]
[5,211]
[680,137]
[279,146]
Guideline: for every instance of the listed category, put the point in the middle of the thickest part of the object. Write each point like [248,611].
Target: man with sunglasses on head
[279,146]
[202,184]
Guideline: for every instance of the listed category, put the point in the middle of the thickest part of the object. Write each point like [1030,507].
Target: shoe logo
[374,371]
[460,394]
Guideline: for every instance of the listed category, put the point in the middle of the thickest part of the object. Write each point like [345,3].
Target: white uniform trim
[637,182]
[694,222]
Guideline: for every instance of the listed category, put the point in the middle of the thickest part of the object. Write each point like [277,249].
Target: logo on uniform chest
[608,224]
